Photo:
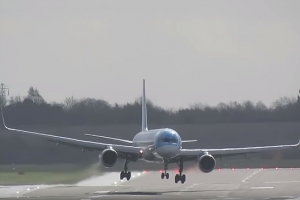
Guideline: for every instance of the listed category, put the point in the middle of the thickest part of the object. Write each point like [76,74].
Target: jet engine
[108,158]
[206,163]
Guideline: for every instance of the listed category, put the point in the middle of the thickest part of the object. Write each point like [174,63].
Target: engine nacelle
[206,163]
[108,158]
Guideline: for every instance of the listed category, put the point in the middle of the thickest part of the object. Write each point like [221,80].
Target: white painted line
[101,192]
[187,188]
[97,196]
[251,175]
[261,188]
[283,182]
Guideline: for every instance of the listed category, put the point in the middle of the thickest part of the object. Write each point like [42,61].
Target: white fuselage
[158,144]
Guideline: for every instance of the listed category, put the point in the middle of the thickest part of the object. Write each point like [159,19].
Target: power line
[3,89]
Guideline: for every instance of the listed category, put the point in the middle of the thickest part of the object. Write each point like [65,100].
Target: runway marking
[101,192]
[251,175]
[226,197]
[187,188]
[282,182]
[261,188]
[97,196]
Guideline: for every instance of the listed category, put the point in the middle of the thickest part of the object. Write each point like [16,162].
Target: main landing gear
[125,174]
[165,174]
[180,176]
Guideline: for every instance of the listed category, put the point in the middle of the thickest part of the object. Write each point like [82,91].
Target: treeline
[34,110]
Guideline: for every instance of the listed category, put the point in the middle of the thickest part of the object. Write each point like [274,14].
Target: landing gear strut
[180,176]
[125,174]
[165,174]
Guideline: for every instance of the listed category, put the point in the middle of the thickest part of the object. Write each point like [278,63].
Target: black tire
[167,175]
[177,177]
[182,178]
[122,175]
[162,176]
[128,176]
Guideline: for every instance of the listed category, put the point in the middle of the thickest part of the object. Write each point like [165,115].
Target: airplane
[157,145]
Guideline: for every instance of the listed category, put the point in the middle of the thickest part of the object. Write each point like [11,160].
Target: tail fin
[144,109]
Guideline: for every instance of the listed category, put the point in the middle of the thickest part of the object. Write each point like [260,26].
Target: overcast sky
[188,51]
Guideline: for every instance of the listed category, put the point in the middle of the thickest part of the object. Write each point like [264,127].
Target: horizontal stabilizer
[111,138]
[186,141]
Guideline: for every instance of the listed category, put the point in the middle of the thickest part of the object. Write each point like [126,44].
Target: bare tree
[260,106]
[14,100]
[284,102]
[34,95]
[69,103]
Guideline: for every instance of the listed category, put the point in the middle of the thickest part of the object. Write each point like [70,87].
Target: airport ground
[219,184]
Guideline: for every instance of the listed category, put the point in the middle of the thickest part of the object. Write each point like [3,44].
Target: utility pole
[3,89]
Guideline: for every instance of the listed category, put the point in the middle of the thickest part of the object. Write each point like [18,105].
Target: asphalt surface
[220,184]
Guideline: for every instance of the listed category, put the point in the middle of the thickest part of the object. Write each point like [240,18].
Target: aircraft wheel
[182,178]
[122,175]
[167,176]
[162,175]
[177,177]
[128,176]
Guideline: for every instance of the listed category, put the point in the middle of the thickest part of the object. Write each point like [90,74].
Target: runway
[219,184]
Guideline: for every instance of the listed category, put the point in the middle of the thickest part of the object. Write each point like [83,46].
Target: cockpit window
[169,140]
[174,140]
[168,137]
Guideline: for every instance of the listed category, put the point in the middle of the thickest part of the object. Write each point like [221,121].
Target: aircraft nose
[167,151]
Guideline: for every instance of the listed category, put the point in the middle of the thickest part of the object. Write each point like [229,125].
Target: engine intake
[109,158]
[206,163]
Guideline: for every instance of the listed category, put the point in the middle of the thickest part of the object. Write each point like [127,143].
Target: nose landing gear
[165,174]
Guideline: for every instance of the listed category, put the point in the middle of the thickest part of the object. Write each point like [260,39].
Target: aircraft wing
[188,141]
[226,152]
[83,144]
[111,138]
[127,141]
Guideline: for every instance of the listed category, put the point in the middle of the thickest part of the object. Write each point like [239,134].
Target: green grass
[45,174]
